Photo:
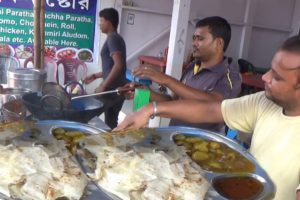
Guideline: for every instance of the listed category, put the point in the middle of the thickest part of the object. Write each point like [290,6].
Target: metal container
[7,62]
[9,94]
[27,78]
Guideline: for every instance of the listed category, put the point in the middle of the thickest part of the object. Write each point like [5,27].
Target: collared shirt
[223,78]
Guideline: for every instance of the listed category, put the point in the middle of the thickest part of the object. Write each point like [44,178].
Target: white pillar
[178,36]
[247,29]
[177,42]
[296,19]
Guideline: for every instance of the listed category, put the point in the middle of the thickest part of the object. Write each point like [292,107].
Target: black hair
[292,44]
[219,27]
[111,15]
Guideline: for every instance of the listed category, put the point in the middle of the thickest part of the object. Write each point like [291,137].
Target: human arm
[178,88]
[155,76]
[155,96]
[127,91]
[187,110]
[92,77]
[114,73]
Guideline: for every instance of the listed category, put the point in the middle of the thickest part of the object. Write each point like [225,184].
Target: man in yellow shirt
[273,116]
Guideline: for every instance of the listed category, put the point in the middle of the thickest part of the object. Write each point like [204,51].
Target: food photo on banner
[70,29]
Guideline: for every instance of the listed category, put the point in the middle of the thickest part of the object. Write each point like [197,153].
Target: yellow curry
[214,156]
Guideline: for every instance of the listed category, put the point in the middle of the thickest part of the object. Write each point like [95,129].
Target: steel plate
[166,134]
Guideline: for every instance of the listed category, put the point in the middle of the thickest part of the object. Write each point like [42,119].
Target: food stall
[63,151]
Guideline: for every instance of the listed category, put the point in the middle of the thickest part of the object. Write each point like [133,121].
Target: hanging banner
[70,27]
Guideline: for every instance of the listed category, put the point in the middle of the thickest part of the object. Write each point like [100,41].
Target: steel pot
[9,94]
[7,62]
[27,78]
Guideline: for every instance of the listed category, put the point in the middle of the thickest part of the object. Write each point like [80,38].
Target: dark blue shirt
[223,78]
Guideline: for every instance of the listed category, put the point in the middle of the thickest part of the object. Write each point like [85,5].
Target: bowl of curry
[239,187]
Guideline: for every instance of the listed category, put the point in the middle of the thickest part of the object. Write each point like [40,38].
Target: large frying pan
[80,110]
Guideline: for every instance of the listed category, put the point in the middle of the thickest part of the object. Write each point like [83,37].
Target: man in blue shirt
[211,76]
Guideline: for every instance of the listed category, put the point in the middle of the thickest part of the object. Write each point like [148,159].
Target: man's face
[204,45]
[103,25]
[282,79]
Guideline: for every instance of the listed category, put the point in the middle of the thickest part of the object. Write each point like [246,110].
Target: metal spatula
[102,93]
[96,94]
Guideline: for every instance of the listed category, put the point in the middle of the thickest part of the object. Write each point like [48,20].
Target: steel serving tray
[166,138]
[92,191]
[259,173]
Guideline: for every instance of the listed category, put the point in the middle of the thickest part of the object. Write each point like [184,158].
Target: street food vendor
[211,76]
[273,116]
[113,57]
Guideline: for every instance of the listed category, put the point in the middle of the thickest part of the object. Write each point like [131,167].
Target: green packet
[141,98]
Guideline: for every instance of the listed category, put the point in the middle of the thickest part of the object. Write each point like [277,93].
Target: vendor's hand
[150,73]
[136,120]
[92,77]
[100,88]
[127,90]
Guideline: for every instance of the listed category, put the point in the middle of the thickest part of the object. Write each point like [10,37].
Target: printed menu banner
[69,25]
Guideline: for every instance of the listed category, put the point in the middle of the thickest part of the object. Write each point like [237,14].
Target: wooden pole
[37,34]
[42,31]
